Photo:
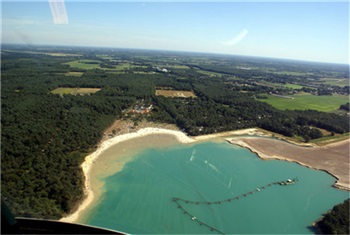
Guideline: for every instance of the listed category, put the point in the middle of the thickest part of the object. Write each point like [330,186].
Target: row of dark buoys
[178,200]
[285,182]
[193,218]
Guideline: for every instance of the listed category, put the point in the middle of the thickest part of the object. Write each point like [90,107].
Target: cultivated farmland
[84,64]
[175,93]
[307,101]
[75,91]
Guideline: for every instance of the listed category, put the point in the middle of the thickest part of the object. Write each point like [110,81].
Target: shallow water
[138,199]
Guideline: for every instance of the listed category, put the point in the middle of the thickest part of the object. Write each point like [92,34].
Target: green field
[82,64]
[327,139]
[123,66]
[335,82]
[63,90]
[43,53]
[210,74]
[293,73]
[74,91]
[176,66]
[307,101]
[293,86]
[74,74]
[278,85]
[105,57]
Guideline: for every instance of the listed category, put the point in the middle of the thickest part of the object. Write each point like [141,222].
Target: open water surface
[138,199]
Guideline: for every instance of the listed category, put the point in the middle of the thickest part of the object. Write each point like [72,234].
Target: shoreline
[233,137]
[339,180]
[104,145]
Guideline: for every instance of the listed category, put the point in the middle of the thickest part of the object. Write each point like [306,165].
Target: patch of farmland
[175,93]
[307,101]
[75,91]
[335,81]
[74,74]
[128,66]
[210,74]
[61,54]
[84,64]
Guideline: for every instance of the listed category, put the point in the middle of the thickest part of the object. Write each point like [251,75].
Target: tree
[337,220]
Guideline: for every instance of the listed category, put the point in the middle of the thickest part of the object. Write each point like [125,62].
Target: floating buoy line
[178,201]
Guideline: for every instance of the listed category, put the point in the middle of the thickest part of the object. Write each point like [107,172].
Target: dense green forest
[337,220]
[45,136]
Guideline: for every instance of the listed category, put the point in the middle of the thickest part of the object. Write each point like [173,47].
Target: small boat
[257,189]
[194,218]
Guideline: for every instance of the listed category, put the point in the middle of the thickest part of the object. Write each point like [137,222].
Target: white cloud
[58,11]
[235,39]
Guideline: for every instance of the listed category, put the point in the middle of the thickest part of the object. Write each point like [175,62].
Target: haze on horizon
[313,31]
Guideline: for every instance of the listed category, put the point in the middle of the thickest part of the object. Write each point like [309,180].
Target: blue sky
[314,31]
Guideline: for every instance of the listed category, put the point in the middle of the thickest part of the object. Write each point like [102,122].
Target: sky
[312,31]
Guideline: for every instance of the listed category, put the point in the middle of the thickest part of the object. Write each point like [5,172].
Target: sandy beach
[334,158]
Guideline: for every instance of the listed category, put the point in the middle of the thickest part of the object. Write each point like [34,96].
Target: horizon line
[179,51]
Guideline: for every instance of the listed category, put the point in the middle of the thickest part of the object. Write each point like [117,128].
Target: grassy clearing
[307,101]
[291,73]
[83,64]
[123,66]
[115,72]
[335,81]
[325,132]
[277,85]
[105,57]
[85,91]
[210,74]
[175,93]
[63,90]
[293,86]
[74,74]
[45,53]
[142,72]
[178,66]
[75,91]
[330,139]
[61,54]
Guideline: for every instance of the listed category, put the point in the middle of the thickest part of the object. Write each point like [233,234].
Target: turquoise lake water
[139,198]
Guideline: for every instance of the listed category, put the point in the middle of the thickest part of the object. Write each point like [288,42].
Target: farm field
[277,85]
[123,66]
[82,64]
[75,91]
[44,53]
[293,86]
[105,57]
[75,74]
[307,101]
[175,93]
[293,73]
[335,82]
[210,74]
[61,54]
[174,66]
